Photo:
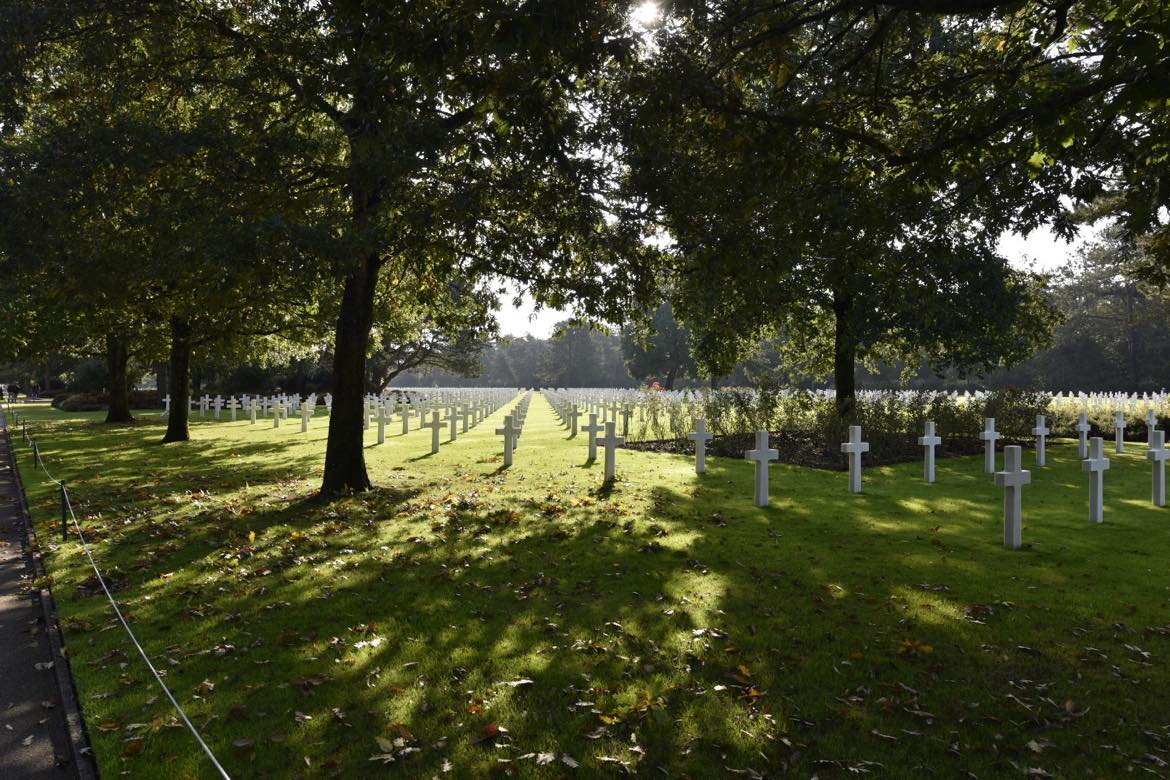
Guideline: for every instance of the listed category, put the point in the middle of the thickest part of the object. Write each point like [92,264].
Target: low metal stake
[64,513]
[36,454]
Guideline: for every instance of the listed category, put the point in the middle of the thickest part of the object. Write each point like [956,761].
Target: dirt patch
[816,450]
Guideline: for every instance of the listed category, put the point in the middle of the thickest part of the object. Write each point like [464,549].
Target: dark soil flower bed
[817,450]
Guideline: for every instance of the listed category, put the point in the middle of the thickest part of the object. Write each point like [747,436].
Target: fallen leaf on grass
[488,733]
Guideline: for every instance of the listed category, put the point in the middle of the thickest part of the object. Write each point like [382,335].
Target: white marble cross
[252,411]
[306,415]
[1083,429]
[573,414]
[436,424]
[989,437]
[761,455]
[406,414]
[465,416]
[928,441]
[455,415]
[232,406]
[1151,424]
[853,449]
[167,405]
[700,436]
[611,441]
[627,413]
[1157,455]
[1012,479]
[592,429]
[1041,432]
[510,433]
[1096,464]
[218,406]
[1119,432]
[275,416]
[383,418]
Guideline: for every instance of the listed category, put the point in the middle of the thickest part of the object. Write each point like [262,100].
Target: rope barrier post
[64,514]
[36,454]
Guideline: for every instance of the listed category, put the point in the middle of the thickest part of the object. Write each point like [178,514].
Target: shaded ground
[530,622]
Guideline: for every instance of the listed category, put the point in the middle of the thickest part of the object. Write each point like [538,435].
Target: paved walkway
[34,738]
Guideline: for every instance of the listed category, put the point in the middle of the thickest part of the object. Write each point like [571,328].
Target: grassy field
[465,619]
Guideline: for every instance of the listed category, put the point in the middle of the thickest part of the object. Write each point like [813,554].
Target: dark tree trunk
[180,381]
[844,354]
[117,359]
[668,384]
[345,462]
[161,379]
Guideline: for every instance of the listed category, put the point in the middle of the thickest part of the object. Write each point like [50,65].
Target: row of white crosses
[1011,479]
[568,404]
[762,455]
[610,406]
[460,416]
[1091,453]
[513,427]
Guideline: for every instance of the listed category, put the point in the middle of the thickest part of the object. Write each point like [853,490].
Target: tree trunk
[844,354]
[668,384]
[345,462]
[179,381]
[117,359]
[161,379]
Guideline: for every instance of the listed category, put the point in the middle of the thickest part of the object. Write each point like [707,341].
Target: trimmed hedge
[95,402]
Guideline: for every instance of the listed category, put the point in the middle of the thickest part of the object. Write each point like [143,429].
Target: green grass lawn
[463,619]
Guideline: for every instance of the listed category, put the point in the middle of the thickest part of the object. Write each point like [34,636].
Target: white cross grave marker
[383,418]
[1041,432]
[306,415]
[1119,431]
[1157,455]
[700,436]
[1012,479]
[252,411]
[167,405]
[592,429]
[1096,464]
[1151,424]
[232,406]
[573,414]
[761,455]
[611,442]
[455,415]
[853,449]
[510,432]
[436,425]
[989,437]
[1083,429]
[928,441]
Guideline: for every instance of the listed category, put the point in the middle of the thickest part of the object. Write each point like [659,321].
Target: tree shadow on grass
[680,631]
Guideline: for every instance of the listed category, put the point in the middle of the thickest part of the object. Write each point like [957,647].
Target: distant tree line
[1113,334]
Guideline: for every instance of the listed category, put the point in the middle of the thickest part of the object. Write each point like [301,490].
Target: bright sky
[1046,250]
